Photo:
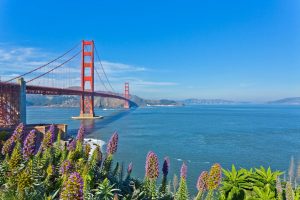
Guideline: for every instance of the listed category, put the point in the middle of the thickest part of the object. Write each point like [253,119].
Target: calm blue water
[247,135]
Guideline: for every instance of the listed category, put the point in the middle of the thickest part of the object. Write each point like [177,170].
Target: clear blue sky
[242,50]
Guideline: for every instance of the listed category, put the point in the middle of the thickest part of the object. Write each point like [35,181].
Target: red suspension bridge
[59,77]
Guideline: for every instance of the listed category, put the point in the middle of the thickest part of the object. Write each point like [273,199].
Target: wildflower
[278,188]
[66,167]
[129,169]
[47,140]
[24,181]
[182,192]
[80,134]
[96,156]
[113,144]
[16,157]
[202,181]
[73,188]
[166,166]
[16,136]
[183,171]
[289,193]
[152,171]
[18,133]
[87,149]
[50,170]
[7,147]
[51,131]
[29,145]
[214,177]
[72,145]
[165,170]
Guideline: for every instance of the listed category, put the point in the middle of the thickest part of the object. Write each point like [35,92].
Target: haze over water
[245,135]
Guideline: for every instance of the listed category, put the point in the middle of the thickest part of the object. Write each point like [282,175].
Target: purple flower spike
[7,147]
[80,134]
[73,188]
[183,171]
[29,145]
[129,169]
[51,130]
[202,181]
[152,171]
[72,145]
[17,135]
[65,167]
[166,166]
[113,144]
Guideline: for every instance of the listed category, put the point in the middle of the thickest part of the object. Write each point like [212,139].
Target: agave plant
[263,193]
[265,177]
[105,191]
[235,183]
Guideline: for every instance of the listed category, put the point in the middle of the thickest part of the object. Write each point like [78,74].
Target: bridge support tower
[126,95]
[22,100]
[87,81]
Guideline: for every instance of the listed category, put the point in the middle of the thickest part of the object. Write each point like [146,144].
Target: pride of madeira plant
[31,169]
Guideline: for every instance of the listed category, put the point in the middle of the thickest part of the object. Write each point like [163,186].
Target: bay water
[244,135]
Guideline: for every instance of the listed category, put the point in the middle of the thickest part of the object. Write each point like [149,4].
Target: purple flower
[7,147]
[183,171]
[65,167]
[202,181]
[80,134]
[51,131]
[72,145]
[29,145]
[129,169]
[17,135]
[166,166]
[113,144]
[73,188]
[152,171]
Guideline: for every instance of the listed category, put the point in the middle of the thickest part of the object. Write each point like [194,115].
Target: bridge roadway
[32,89]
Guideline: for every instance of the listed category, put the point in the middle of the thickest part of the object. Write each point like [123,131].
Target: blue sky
[241,50]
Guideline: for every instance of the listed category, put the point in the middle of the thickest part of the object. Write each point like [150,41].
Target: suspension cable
[55,67]
[101,79]
[103,69]
[44,64]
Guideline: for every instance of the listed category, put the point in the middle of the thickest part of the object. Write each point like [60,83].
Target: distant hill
[73,101]
[208,102]
[287,101]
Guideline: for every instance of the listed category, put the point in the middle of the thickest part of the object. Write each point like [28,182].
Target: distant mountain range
[287,101]
[73,101]
[207,102]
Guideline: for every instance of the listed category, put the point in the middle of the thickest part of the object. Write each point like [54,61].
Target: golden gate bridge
[58,77]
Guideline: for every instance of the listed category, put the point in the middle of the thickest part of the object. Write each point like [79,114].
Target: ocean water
[244,135]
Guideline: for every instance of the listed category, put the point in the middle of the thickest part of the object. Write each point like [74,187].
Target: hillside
[208,102]
[73,101]
[287,101]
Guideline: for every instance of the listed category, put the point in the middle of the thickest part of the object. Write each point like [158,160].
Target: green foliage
[105,190]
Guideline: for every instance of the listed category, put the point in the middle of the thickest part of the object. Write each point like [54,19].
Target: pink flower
[183,171]
[113,144]
[202,181]
[152,167]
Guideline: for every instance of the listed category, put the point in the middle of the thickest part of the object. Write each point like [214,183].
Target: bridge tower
[126,95]
[87,81]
